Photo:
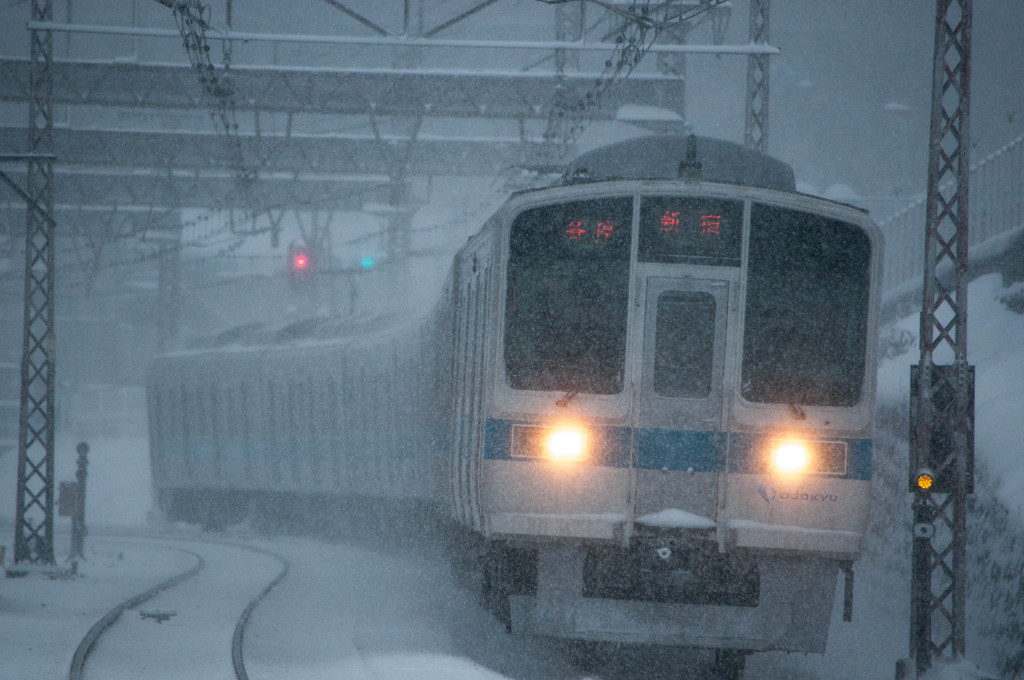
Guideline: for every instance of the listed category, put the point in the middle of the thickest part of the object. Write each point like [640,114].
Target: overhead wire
[638,34]
[640,30]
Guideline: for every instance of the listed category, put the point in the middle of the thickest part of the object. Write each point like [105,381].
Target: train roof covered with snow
[674,157]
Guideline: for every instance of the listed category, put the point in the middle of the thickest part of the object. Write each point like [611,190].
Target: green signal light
[366,262]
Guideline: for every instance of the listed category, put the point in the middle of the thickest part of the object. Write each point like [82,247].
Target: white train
[649,391]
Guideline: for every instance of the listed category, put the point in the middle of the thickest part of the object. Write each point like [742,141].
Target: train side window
[187,436]
[568,287]
[201,414]
[214,422]
[246,425]
[332,417]
[272,452]
[684,344]
[291,429]
[157,427]
[806,315]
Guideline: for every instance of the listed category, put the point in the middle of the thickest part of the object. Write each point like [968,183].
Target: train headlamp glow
[796,455]
[790,456]
[562,443]
[565,444]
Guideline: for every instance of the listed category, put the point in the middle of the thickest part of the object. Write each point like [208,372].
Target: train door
[678,443]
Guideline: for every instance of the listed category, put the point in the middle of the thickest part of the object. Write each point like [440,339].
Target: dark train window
[690,230]
[806,316]
[684,343]
[568,286]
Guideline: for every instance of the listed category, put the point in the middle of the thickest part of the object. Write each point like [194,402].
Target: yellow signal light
[925,480]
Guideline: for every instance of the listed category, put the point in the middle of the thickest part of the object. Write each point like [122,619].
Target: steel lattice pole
[943,410]
[33,540]
[755,134]
[558,128]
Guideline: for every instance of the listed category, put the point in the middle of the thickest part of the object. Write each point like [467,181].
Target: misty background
[849,105]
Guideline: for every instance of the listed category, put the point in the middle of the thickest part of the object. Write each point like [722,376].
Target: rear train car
[294,429]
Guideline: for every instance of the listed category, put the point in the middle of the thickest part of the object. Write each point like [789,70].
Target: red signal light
[302,262]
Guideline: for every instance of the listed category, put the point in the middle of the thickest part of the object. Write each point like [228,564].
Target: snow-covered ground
[345,612]
[41,619]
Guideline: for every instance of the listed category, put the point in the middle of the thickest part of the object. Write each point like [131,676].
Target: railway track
[170,594]
[237,640]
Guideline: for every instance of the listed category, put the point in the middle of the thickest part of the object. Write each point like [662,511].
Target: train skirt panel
[785,604]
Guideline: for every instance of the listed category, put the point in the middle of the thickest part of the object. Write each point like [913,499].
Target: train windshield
[806,315]
[568,286]
[684,344]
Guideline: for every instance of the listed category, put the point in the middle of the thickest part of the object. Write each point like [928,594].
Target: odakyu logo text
[767,493]
[770,495]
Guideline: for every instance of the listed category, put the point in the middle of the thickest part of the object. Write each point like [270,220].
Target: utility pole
[942,396]
[33,537]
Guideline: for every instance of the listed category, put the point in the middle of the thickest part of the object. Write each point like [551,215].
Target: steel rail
[101,626]
[238,638]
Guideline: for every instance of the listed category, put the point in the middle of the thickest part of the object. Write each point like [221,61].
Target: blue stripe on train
[680,450]
[656,449]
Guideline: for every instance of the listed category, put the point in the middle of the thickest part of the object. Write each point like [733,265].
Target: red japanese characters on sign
[603,231]
[710,224]
[670,221]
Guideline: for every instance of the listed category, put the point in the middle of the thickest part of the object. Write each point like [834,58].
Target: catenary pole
[755,133]
[942,395]
[33,538]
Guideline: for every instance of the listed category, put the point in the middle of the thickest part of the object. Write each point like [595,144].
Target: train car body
[248,430]
[655,388]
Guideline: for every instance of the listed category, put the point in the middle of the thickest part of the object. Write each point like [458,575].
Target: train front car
[678,392]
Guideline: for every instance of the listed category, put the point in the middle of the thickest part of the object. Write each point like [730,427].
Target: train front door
[678,441]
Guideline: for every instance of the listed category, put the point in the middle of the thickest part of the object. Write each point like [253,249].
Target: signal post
[942,396]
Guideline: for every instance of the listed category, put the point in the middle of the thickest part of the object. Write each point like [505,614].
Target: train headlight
[566,444]
[795,455]
[790,456]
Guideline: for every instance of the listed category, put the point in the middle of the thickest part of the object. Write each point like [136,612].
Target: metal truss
[172,188]
[674,63]
[755,133]
[405,92]
[447,93]
[142,168]
[945,405]
[633,16]
[568,22]
[349,155]
[33,537]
